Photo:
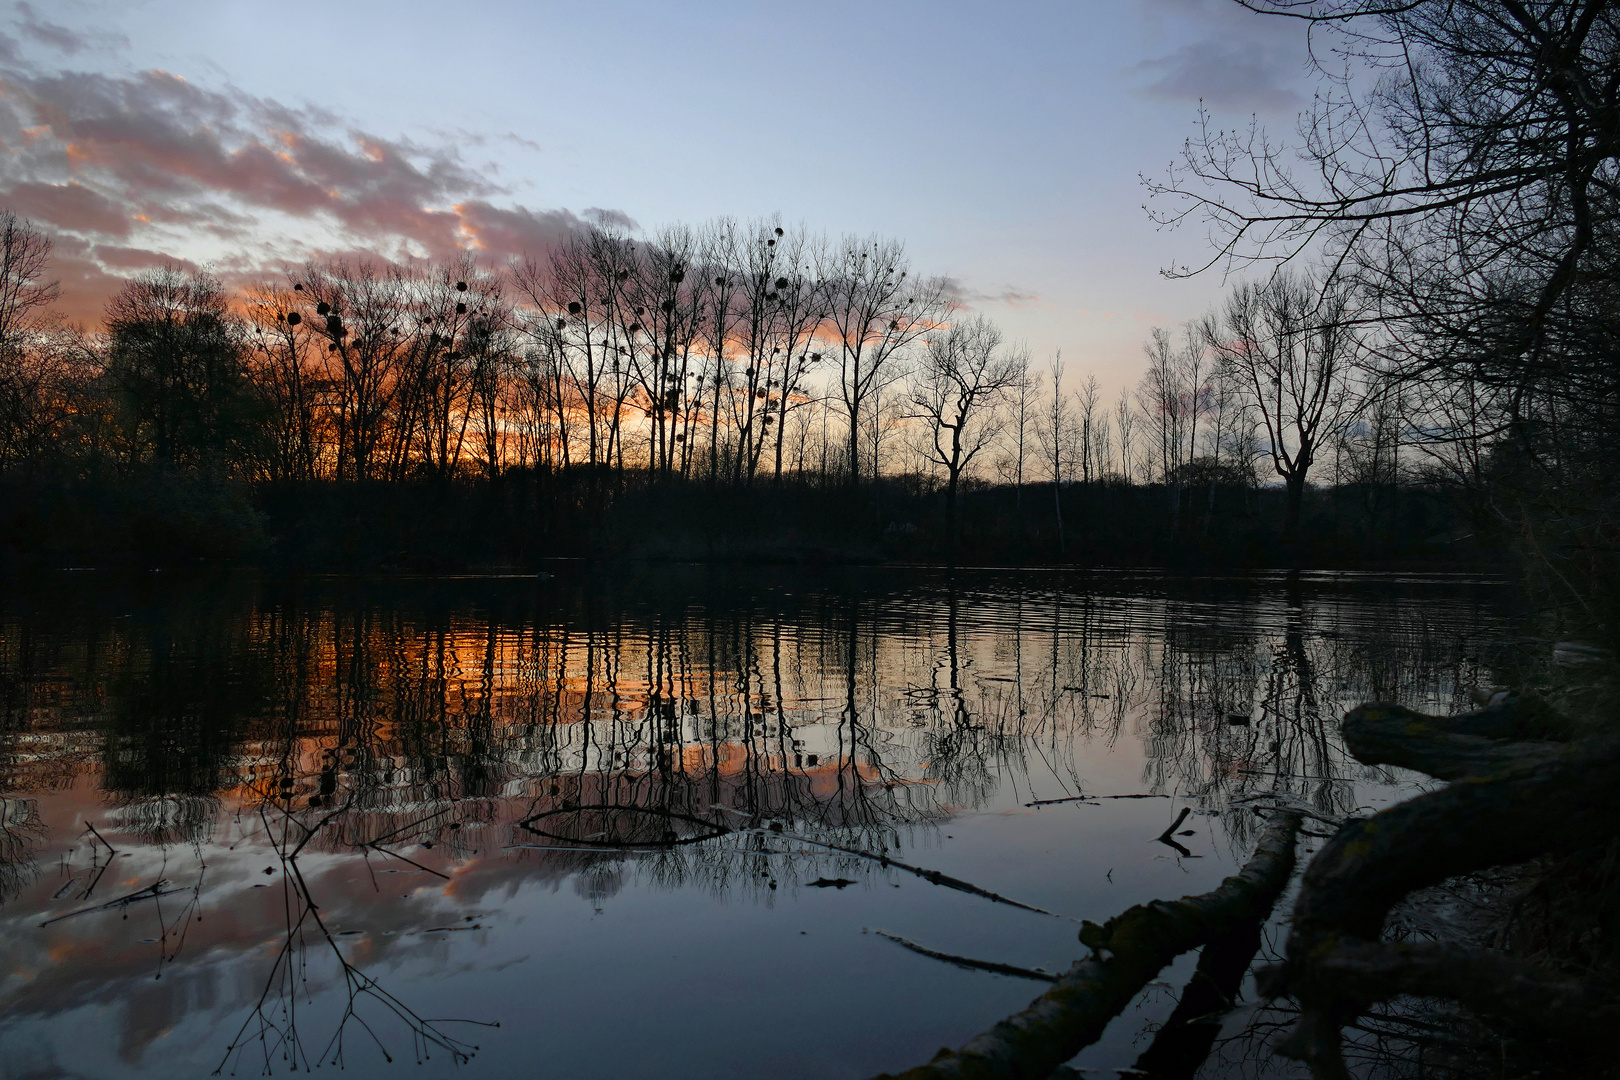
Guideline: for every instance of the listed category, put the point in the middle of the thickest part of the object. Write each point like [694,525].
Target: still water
[595,826]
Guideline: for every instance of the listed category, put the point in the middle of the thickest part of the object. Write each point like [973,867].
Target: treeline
[726,391]
[1458,192]
[699,352]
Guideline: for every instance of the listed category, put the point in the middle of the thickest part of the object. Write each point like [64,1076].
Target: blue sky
[1002,142]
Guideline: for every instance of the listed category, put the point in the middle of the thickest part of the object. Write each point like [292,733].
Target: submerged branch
[151,892]
[1127,953]
[1182,1044]
[933,877]
[967,962]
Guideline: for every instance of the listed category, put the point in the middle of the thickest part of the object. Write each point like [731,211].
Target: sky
[1004,143]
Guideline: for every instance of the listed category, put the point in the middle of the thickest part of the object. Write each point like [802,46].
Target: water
[352,821]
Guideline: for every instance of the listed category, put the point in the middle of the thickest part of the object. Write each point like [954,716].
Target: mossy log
[1127,952]
[1508,802]
[1446,747]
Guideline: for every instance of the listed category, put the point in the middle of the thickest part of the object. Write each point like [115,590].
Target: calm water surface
[590,826]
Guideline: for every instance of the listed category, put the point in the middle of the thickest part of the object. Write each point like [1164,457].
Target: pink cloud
[68,206]
[106,157]
[505,233]
[130,258]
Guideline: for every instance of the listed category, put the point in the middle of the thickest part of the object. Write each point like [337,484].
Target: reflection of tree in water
[1250,701]
[271,1033]
[662,744]
[22,834]
[862,715]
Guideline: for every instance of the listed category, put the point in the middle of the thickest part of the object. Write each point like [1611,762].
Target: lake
[651,822]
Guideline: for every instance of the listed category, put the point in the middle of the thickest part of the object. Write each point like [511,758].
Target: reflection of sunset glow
[449,767]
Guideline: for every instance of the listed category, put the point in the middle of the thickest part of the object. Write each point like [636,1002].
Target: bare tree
[360,313]
[1160,397]
[720,253]
[957,396]
[1125,423]
[1462,171]
[877,308]
[34,360]
[567,289]
[459,315]
[174,358]
[1086,400]
[1290,351]
[661,309]
[1020,425]
[801,309]
[281,359]
[1056,436]
[543,371]
[1368,451]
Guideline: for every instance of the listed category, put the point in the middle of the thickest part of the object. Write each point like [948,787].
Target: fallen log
[1508,802]
[1447,748]
[1126,953]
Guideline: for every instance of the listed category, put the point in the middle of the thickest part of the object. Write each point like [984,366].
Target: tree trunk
[1294,501]
[854,446]
[1057,509]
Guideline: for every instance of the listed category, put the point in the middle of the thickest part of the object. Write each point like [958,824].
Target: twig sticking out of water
[1168,837]
[151,892]
[1165,837]
[112,852]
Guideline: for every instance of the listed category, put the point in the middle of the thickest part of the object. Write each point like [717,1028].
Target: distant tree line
[728,357]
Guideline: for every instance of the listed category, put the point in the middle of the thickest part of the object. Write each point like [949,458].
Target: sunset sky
[1002,142]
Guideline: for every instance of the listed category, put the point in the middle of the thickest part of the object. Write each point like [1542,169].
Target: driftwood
[1126,953]
[1507,803]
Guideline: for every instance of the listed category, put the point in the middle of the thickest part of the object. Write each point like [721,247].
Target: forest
[722,391]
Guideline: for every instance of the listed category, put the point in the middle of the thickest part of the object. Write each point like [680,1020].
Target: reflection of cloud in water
[510,744]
